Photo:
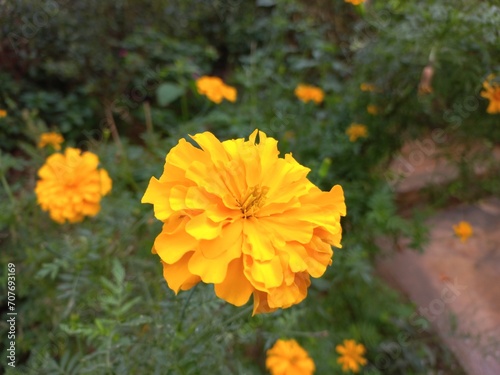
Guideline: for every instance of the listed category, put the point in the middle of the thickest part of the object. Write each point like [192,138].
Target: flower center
[253,201]
[294,360]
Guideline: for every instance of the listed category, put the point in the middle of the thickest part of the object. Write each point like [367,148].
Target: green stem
[209,331]
[108,352]
[183,312]
[243,312]
[127,169]
[147,117]
[6,186]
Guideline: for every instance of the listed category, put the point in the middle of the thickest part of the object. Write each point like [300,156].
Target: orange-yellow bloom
[51,138]
[367,87]
[308,93]
[287,357]
[3,113]
[355,131]
[351,356]
[355,2]
[71,186]
[215,89]
[492,93]
[237,216]
[463,230]
[372,109]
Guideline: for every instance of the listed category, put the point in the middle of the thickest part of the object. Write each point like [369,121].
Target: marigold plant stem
[112,127]
[8,191]
[6,186]
[147,116]
[209,332]
[184,307]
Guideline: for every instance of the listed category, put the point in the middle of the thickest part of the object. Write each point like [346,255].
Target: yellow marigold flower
[351,356]
[355,2]
[463,230]
[3,113]
[51,138]
[367,87]
[308,93]
[71,186]
[237,216]
[215,89]
[372,109]
[356,131]
[492,93]
[287,357]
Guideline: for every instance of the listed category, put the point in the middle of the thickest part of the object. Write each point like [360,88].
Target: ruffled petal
[235,288]
[178,276]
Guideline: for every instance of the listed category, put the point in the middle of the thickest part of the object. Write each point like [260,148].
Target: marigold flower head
[492,93]
[215,89]
[237,216]
[463,230]
[307,93]
[372,109]
[51,138]
[355,2]
[71,186]
[3,113]
[351,356]
[367,87]
[355,131]
[287,357]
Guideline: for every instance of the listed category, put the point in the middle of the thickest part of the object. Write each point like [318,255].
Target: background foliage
[92,297]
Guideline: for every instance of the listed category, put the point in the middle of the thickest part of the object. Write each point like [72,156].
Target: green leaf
[168,92]
[118,272]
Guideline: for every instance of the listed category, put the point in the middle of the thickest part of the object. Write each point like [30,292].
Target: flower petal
[178,276]
[235,288]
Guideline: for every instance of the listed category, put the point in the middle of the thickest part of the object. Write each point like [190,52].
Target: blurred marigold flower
[355,2]
[71,186]
[425,85]
[351,356]
[289,135]
[463,230]
[425,90]
[367,87]
[372,109]
[51,138]
[287,357]
[307,93]
[238,216]
[492,93]
[215,89]
[444,278]
[355,131]
[3,113]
